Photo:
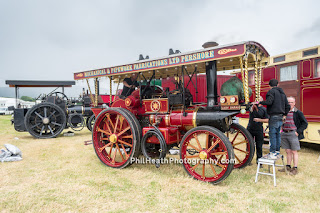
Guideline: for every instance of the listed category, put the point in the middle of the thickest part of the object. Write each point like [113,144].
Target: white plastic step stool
[270,162]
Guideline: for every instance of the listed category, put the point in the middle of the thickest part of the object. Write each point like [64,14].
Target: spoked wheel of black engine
[243,145]
[115,137]
[45,120]
[207,154]
[90,122]
[153,145]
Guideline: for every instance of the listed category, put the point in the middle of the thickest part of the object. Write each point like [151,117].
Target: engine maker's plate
[160,105]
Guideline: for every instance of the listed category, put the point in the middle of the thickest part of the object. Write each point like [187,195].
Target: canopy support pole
[183,91]
[110,91]
[91,96]
[117,90]
[256,81]
[246,84]
[259,78]
[96,91]
[196,84]
[16,92]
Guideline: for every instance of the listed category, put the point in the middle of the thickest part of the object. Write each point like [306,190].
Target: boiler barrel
[218,119]
[201,117]
[79,109]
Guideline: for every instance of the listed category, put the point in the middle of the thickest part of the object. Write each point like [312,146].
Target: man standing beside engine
[277,108]
[292,132]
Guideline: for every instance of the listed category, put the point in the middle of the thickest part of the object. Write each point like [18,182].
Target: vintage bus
[298,73]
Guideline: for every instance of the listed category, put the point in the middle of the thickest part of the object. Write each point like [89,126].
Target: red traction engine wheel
[243,145]
[116,137]
[207,154]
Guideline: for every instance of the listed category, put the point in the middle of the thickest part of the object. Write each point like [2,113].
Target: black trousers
[258,138]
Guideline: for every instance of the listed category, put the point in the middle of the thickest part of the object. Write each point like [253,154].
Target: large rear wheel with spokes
[207,154]
[45,120]
[116,137]
[243,145]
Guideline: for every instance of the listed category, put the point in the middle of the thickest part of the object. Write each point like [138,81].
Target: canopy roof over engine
[227,57]
[31,83]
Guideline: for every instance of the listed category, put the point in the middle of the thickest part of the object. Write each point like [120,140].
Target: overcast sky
[50,40]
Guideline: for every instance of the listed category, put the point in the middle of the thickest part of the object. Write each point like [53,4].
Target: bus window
[317,69]
[289,73]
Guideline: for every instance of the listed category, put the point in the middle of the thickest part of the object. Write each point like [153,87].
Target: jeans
[275,123]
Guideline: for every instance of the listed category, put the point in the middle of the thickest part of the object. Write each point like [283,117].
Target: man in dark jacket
[292,132]
[277,108]
[129,84]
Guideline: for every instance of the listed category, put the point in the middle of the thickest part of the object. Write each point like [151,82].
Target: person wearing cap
[292,132]
[277,108]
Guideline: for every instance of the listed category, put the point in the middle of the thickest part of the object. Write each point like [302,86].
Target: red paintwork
[268,74]
[135,109]
[175,118]
[106,98]
[132,102]
[96,111]
[306,69]
[170,134]
[310,96]
[164,105]
[201,84]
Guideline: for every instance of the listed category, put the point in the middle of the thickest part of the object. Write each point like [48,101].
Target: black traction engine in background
[54,114]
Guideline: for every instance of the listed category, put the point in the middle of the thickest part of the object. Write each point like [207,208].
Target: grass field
[64,175]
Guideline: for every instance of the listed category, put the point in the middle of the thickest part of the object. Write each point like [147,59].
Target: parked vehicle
[54,113]
[152,120]
[298,73]
[5,111]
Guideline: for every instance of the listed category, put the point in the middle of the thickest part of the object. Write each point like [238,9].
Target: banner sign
[174,60]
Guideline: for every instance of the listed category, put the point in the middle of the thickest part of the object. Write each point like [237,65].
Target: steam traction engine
[55,112]
[152,121]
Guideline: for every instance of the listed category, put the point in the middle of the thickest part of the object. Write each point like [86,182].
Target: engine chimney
[210,44]
[212,95]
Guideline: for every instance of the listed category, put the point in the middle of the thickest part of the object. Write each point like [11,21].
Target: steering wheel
[59,95]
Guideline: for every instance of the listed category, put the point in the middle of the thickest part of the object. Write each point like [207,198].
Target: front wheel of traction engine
[207,154]
[116,137]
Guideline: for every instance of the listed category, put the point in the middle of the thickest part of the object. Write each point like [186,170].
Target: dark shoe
[294,171]
[261,166]
[283,169]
